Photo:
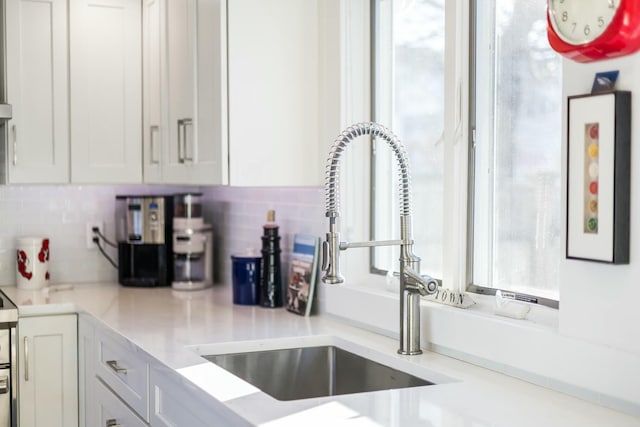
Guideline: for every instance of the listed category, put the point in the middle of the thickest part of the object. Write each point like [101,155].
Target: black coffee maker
[144,236]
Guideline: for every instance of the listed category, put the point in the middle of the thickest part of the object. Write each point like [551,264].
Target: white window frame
[355,66]
[475,335]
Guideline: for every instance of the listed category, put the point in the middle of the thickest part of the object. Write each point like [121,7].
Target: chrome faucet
[412,284]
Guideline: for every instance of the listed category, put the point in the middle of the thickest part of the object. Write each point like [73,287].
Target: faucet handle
[430,285]
[420,283]
[325,255]
[331,259]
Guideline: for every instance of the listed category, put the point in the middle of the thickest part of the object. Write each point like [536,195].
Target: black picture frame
[598,177]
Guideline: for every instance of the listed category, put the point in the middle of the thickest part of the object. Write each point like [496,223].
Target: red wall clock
[592,30]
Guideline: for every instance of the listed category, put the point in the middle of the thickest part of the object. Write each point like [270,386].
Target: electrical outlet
[90,234]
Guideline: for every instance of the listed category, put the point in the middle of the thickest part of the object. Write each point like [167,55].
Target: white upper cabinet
[185,117]
[106,91]
[37,86]
[276,92]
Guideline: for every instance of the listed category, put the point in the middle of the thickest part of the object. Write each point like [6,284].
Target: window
[514,232]
[408,98]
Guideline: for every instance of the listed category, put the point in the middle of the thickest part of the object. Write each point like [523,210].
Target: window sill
[532,350]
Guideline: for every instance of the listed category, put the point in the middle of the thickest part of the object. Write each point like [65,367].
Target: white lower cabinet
[86,371]
[122,385]
[177,403]
[48,371]
[111,411]
[124,367]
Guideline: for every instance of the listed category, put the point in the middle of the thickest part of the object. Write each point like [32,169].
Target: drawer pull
[117,369]
[112,423]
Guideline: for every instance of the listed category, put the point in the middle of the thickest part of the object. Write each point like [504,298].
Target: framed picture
[598,171]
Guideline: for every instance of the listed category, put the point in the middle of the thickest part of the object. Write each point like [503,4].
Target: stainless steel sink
[301,373]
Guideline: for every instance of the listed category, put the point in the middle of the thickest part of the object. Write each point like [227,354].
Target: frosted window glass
[517,217]
[410,100]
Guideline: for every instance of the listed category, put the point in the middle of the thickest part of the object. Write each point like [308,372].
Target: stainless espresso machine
[144,237]
[192,244]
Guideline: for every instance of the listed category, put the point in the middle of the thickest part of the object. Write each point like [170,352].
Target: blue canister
[245,278]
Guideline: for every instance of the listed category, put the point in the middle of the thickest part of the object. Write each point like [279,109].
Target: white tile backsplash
[61,212]
[238,214]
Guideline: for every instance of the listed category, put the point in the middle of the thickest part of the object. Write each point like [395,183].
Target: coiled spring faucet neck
[332,172]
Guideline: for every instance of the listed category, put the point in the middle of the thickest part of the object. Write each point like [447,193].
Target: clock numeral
[600,21]
[565,16]
[611,4]
[587,30]
[573,27]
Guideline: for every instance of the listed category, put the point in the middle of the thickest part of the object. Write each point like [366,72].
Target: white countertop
[174,326]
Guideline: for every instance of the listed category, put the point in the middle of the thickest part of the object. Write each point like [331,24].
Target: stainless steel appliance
[192,244]
[8,367]
[143,233]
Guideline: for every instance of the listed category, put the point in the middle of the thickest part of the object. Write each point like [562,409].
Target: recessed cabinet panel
[37,88]
[106,99]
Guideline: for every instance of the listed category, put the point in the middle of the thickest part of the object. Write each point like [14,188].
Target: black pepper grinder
[271,286]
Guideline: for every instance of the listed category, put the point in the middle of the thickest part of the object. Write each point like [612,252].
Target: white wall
[599,302]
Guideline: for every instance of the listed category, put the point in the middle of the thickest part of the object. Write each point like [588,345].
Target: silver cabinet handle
[26,358]
[183,124]
[153,130]
[14,131]
[4,384]
[112,423]
[113,364]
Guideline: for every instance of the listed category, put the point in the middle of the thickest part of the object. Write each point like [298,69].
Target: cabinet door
[275,68]
[154,130]
[195,148]
[48,371]
[37,86]
[106,91]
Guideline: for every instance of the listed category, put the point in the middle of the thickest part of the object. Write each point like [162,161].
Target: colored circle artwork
[591,177]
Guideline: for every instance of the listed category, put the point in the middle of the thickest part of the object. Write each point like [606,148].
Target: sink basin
[316,371]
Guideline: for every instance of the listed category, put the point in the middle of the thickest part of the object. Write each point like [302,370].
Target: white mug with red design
[32,262]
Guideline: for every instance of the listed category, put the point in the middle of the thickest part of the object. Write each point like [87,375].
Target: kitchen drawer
[112,411]
[178,403]
[125,369]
